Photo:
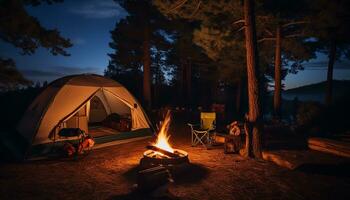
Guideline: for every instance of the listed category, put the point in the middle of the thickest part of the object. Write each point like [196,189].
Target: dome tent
[64,98]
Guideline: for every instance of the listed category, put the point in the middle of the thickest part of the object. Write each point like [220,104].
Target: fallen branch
[330,146]
[266,39]
[294,23]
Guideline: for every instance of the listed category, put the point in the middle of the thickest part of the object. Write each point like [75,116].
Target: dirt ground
[110,173]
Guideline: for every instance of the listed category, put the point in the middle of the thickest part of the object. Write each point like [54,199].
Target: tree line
[257,42]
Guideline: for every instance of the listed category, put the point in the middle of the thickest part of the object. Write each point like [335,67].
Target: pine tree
[10,77]
[191,64]
[134,40]
[284,24]
[220,16]
[331,29]
[25,32]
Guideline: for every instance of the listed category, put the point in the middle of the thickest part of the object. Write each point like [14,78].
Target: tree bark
[181,80]
[278,85]
[189,82]
[254,148]
[147,69]
[329,85]
[238,96]
[157,88]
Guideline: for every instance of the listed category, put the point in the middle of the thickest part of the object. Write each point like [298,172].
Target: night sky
[88,22]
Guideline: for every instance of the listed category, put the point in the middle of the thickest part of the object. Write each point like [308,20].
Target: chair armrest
[201,131]
[193,125]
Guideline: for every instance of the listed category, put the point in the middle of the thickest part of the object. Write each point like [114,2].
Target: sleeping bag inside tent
[95,104]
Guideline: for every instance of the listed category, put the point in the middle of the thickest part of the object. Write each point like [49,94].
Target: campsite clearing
[109,173]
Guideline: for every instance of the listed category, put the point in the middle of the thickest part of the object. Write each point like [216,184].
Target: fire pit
[161,153]
[153,157]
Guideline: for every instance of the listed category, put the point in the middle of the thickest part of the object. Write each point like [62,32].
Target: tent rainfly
[64,98]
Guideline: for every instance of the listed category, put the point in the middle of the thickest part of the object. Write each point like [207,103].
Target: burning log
[167,153]
[161,152]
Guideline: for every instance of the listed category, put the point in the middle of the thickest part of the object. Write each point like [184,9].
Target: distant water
[316,92]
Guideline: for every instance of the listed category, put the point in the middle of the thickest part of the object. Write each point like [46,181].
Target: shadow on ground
[337,170]
[187,174]
[192,173]
[137,195]
[131,173]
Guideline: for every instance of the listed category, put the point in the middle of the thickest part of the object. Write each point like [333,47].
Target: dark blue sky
[88,22]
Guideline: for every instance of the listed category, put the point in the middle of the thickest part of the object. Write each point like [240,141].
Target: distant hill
[316,92]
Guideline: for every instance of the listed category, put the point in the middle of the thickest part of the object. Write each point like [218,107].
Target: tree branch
[177,5]
[197,8]
[294,23]
[294,35]
[238,21]
[268,32]
[266,39]
[242,28]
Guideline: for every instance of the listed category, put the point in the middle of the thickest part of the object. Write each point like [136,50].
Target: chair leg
[192,139]
[208,141]
[197,139]
[201,139]
[204,136]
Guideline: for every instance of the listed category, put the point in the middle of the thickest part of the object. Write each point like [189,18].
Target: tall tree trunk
[329,86]
[278,87]
[189,82]
[157,88]
[238,96]
[181,82]
[147,69]
[254,126]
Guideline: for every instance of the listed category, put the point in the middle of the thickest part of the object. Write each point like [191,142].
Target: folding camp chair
[201,133]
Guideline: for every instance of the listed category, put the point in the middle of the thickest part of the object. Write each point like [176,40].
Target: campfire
[161,152]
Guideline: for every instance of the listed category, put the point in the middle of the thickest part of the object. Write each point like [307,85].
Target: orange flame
[162,141]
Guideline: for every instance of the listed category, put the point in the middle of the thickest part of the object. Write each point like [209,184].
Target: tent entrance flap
[95,110]
[79,120]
